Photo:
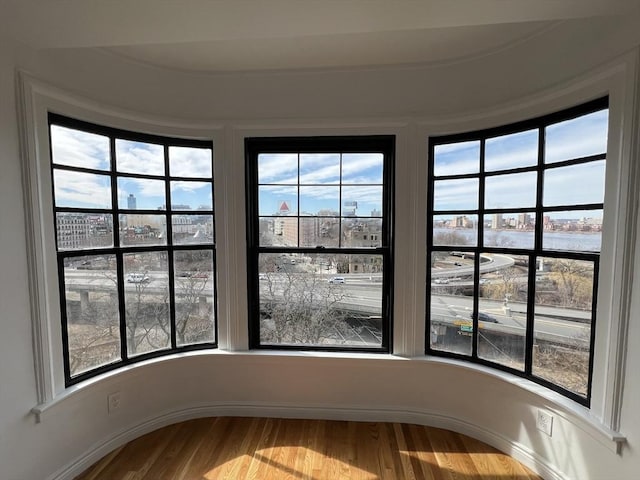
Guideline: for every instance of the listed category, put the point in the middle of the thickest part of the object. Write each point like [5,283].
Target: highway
[362,294]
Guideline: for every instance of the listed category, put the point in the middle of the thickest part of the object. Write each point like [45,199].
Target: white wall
[486,405]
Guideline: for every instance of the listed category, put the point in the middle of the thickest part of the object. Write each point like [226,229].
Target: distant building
[131,202]
[524,221]
[80,230]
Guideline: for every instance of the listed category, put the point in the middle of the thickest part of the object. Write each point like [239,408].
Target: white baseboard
[321,412]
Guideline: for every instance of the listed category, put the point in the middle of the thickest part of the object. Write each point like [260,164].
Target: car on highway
[336,280]
[485,317]
[441,281]
[137,278]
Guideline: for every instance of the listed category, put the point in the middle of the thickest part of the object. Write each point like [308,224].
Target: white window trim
[620,219]
[35,100]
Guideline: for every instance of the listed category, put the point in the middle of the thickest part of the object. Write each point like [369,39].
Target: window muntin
[514,262]
[319,242]
[135,245]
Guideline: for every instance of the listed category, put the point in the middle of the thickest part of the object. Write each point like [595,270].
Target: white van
[137,278]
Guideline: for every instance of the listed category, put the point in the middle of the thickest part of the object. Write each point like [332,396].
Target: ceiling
[241,35]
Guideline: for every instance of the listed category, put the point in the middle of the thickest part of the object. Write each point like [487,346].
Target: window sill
[560,406]
[579,416]
[241,355]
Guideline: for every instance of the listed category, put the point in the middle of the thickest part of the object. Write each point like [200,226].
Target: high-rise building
[496,221]
[131,202]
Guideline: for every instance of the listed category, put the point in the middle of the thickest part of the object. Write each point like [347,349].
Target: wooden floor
[259,448]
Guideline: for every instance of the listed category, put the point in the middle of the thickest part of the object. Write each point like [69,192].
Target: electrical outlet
[544,422]
[114,402]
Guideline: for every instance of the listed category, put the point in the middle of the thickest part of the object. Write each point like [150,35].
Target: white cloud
[278,168]
[138,157]
[580,137]
[362,168]
[575,184]
[512,151]
[84,190]
[79,149]
[457,158]
[190,162]
[320,168]
[514,190]
[190,187]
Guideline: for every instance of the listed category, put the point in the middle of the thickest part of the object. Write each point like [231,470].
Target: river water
[572,241]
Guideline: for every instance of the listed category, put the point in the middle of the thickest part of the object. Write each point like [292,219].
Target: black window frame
[533,253]
[254,146]
[119,251]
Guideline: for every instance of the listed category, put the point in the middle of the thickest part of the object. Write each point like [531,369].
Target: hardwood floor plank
[237,448]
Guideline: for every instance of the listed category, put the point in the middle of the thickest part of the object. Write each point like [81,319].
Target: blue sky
[84,190]
[320,175]
[580,137]
[578,184]
[319,180]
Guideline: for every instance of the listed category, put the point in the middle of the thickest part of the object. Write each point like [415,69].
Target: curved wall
[76,429]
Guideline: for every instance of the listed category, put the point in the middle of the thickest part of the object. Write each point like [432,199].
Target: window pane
[139,157]
[91,299]
[143,229]
[321,300]
[580,137]
[451,303]
[362,168]
[562,326]
[194,297]
[319,231]
[277,200]
[278,168]
[76,148]
[516,190]
[511,151]
[191,195]
[81,190]
[575,184]
[362,232]
[502,309]
[457,158]
[457,230]
[573,231]
[146,298]
[141,194]
[362,201]
[510,230]
[83,230]
[192,229]
[190,162]
[460,194]
[281,231]
[320,201]
[319,168]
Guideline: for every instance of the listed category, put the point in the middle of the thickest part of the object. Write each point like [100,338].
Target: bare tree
[574,282]
[192,325]
[147,315]
[564,364]
[508,285]
[300,308]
